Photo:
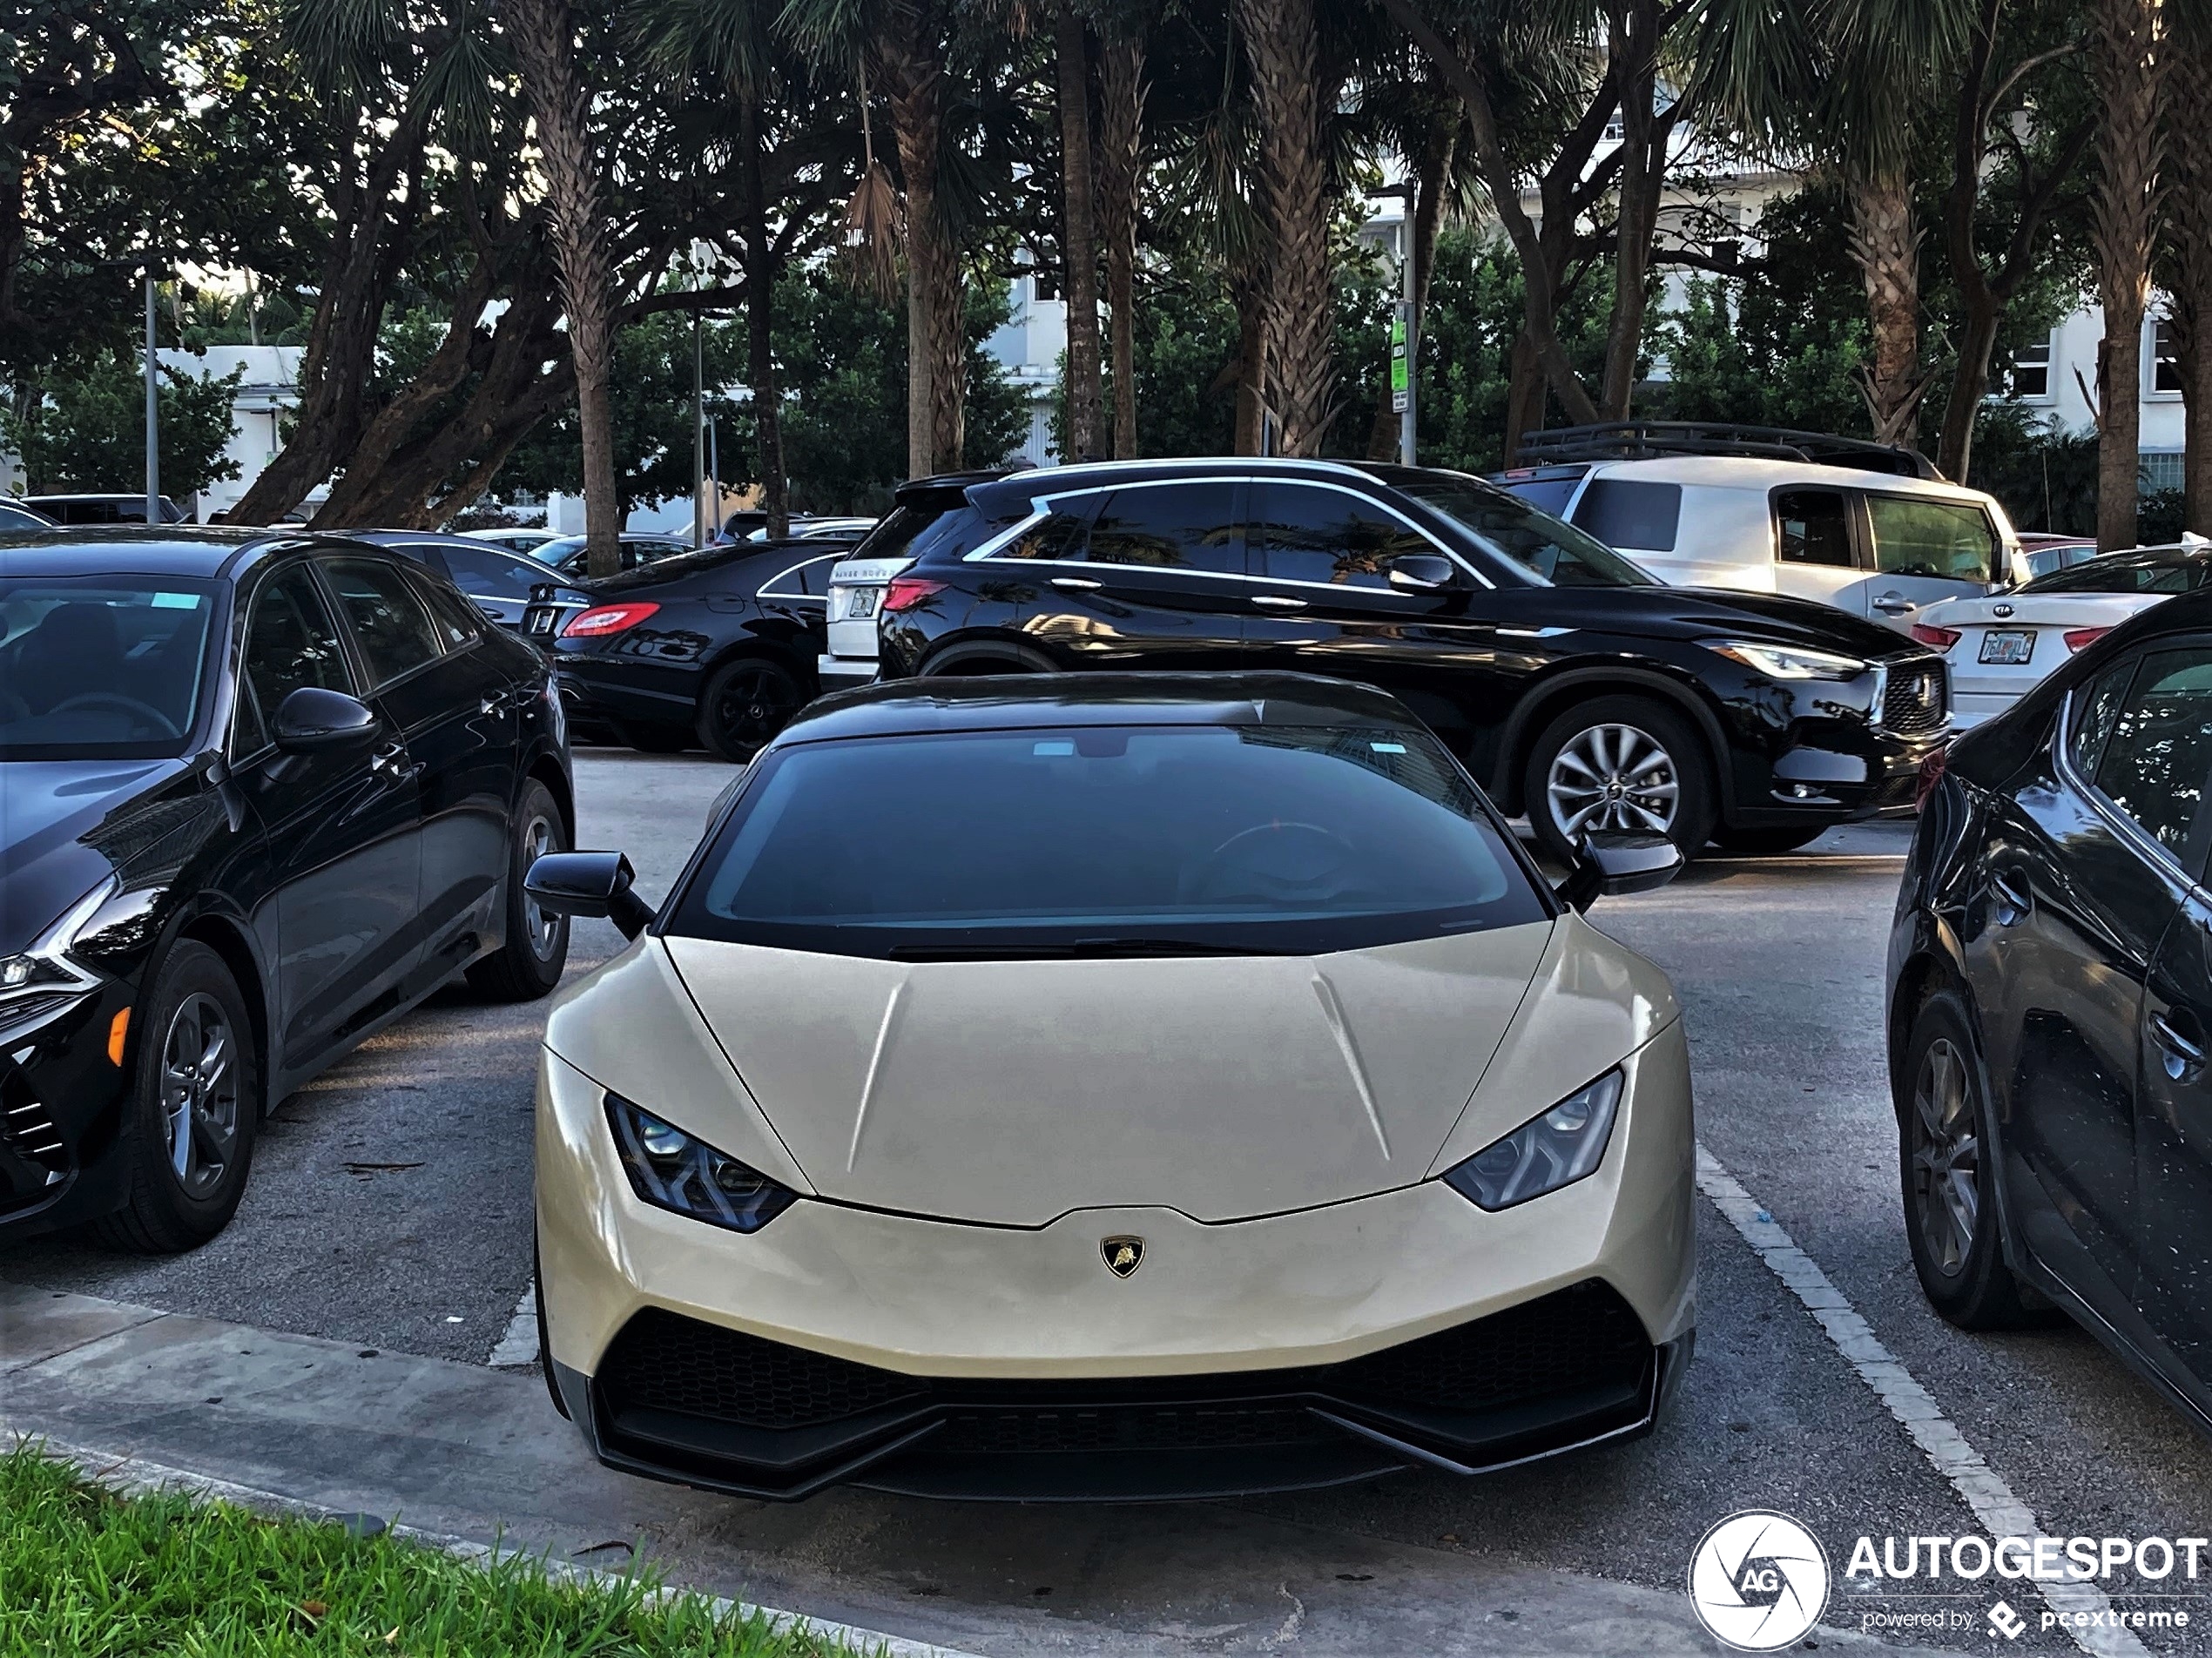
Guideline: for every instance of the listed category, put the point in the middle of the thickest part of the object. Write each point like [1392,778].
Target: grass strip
[84,1571]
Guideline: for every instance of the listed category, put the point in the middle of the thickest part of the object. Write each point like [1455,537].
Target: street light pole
[153,415]
[698,435]
[1407,325]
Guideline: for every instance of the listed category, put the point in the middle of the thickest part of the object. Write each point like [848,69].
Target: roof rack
[1642,440]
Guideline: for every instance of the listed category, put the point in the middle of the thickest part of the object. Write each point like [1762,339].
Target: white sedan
[2001,646]
[1108,1087]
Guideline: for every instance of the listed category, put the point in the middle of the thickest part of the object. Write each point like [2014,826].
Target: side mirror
[592,883]
[1614,864]
[313,721]
[1422,572]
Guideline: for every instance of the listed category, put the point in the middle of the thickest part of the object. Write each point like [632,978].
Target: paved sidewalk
[474,1453]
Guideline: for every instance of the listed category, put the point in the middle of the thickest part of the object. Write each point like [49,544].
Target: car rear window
[2124,575]
[1631,513]
[1139,839]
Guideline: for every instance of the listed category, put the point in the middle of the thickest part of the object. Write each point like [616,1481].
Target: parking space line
[518,1346]
[1983,1490]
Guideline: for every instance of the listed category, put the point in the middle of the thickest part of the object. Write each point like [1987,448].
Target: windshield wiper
[1077,949]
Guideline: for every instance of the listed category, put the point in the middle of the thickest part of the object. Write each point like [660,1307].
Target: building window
[2029,378]
[2162,470]
[2165,362]
[1043,286]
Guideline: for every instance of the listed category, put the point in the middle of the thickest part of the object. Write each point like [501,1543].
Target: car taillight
[1939,638]
[2082,638]
[907,591]
[602,619]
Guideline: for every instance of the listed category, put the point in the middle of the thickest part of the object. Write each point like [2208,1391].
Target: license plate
[2008,647]
[862,603]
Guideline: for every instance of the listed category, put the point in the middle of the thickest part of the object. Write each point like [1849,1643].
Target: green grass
[84,1571]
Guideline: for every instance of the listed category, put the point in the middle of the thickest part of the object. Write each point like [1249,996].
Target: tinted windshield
[1548,495]
[101,667]
[1555,553]
[1138,839]
[2124,575]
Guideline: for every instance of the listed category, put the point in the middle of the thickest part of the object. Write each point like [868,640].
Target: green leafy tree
[85,428]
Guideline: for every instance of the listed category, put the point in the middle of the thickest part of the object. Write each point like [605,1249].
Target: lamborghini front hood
[1013,1092]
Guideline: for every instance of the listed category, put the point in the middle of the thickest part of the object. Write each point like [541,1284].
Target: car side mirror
[1422,572]
[313,721]
[1612,864]
[595,884]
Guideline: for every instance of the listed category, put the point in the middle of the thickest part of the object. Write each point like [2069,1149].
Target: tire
[198,1075]
[530,963]
[1951,1218]
[746,703]
[1664,777]
[1766,843]
[655,739]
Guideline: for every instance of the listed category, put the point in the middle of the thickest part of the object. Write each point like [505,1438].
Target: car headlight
[1788,662]
[40,980]
[670,1169]
[1550,1151]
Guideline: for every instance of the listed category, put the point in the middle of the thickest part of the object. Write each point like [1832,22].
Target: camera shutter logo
[1759,1580]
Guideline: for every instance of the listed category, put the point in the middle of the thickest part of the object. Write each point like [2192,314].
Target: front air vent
[27,1127]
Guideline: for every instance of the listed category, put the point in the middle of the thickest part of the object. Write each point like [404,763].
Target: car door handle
[1894,604]
[1076,584]
[2014,901]
[2184,1056]
[1278,602]
[391,761]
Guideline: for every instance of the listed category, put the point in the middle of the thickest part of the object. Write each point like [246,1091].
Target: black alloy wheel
[746,704]
[1618,764]
[1946,1161]
[195,1102]
[531,960]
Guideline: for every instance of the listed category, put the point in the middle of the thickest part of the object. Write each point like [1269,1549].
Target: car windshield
[101,667]
[1555,553]
[2119,574]
[1135,840]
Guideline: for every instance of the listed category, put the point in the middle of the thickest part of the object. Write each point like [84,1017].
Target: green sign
[1400,368]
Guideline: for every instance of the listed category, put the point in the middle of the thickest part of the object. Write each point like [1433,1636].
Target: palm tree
[2188,264]
[1282,44]
[2128,59]
[1079,230]
[542,33]
[1842,83]
[1121,163]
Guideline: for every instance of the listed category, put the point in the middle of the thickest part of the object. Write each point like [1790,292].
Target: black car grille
[676,1396]
[27,1126]
[1917,698]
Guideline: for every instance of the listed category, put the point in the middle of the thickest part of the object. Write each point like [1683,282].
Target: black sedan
[1579,689]
[716,647]
[498,582]
[260,795]
[2050,1007]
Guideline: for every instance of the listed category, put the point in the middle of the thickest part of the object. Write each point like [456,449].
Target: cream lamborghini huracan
[1110,1086]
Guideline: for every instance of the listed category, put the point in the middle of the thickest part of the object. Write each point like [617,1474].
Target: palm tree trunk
[913,84]
[1282,41]
[1885,245]
[760,272]
[2129,65]
[543,37]
[1634,48]
[1120,84]
[2189,219]
[1428,217]
[1079,235]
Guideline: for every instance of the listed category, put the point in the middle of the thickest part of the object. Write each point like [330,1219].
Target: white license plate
[862,603]
[2008,647]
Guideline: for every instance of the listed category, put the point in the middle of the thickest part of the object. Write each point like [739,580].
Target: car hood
[1779,619]
[50,815]
[1012,1092]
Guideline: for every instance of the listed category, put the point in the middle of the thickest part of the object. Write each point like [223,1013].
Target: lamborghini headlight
[670,1169]
[1785,662]
[1553,1150]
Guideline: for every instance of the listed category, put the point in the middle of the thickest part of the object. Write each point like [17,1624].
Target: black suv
[1580,690]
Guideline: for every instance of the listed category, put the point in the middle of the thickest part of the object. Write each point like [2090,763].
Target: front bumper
[61,1106]
[843,673]
[840,1345]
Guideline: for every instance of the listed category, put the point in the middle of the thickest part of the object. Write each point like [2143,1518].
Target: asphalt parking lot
[390,1208]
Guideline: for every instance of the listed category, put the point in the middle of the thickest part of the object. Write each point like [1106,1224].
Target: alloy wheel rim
[753,706]
[200,1093]
[1613,777]
[1947,1157]
[544,927]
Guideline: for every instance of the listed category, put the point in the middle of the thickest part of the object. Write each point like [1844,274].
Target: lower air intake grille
[1574,1338]
[1916,699]
[665,1362]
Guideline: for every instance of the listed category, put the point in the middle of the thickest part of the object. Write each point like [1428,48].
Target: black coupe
[260,795]
[2050,1007]
[716,647]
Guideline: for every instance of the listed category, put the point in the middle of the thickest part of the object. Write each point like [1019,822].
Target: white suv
[1878,543]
